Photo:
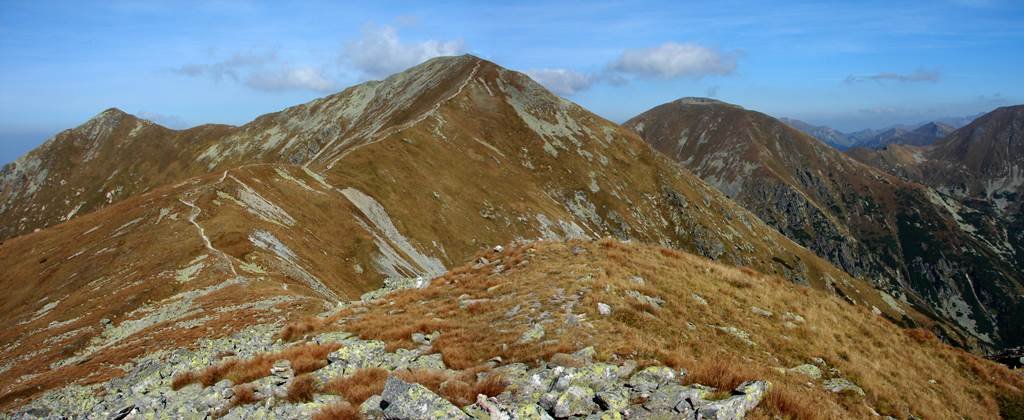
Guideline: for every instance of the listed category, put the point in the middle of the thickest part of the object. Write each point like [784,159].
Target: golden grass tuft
[244,394]
[338,411]
[785,403]
[304,358]
[302,389]
[725,373]
[359,386]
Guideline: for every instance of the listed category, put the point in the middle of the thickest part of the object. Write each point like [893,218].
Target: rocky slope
[980,165]
[604,328]
[473,156]
[922,246]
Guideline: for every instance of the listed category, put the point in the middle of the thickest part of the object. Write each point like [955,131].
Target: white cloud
[261,72]
[227,68]
[380,52]
[563,81]
[671,60]
[920,75]
[302,78]
[166,120]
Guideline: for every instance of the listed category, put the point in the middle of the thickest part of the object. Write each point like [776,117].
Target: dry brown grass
[359,386]
[302,389]
[788,403]
[338,411]
[304,358]
[244,394]
[903,372]
[725,373]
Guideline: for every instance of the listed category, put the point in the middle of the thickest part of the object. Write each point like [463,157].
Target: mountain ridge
[499,160]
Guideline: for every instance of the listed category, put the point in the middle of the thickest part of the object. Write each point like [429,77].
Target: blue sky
[851,65]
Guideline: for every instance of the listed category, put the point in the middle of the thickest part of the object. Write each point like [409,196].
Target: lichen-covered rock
[371,408]
[650,378]
[332,337]
[808,370]
[531,411]
[612,399]
[575,401]
[358,354]
[747,396]
[666,397]
[841,385]
[402,400]
[536,332]
[597,376]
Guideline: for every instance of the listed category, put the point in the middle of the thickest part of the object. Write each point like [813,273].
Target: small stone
[842,385]
[650,300]
[763,312]
[791,317]
[604,309]
[282,369]
[499,249]
[492,408]
[586,354]
[627,368]
[700,300]
[536,332]
[808,370]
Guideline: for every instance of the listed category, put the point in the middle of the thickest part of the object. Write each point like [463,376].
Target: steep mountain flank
[984,159]
[469,156]
[920,245]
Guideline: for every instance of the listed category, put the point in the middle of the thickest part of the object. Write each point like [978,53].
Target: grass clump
[304,358]
[359,386]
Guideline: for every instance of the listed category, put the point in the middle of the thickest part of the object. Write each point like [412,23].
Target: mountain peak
[698,100]
[110,113]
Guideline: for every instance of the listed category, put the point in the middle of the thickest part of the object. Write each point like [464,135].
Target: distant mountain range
[921,134]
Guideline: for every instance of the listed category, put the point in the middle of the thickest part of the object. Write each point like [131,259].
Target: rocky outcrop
[567,386]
